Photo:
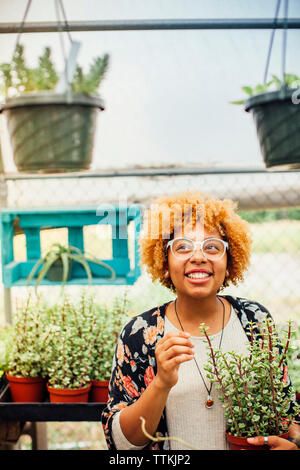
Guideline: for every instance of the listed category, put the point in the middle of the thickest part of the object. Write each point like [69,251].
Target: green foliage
[70,343]
[111,321]
[260,216]
[27,344]
[5,347]
[81,342]
[90,82]
[275,83]
[293,358]
[65,254]
[252,387]
[17,78]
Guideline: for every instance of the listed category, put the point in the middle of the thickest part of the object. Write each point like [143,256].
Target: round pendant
[209,402]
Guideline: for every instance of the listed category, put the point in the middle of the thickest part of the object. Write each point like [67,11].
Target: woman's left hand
[274,442]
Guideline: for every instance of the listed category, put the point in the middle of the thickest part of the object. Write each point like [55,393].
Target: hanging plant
[275,108]
[51,118]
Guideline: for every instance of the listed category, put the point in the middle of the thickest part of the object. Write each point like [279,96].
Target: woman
[195,246]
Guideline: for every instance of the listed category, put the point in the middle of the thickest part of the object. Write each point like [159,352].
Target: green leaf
[237,102]
[248,90]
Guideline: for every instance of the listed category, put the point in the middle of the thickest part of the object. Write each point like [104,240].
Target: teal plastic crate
[33,220]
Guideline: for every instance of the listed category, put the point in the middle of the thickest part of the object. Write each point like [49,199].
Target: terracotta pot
[69,395]
[241,443]
[26,389]
[99,391]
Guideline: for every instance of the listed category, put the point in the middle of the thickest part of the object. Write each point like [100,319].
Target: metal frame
[138,25]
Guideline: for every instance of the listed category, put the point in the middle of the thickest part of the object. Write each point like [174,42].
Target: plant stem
[216,373]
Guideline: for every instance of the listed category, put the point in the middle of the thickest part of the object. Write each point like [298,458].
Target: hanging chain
[22,25]
[284,42]
[271,41]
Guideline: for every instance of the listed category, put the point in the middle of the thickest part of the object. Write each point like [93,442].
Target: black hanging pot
[276,115]
[51,132]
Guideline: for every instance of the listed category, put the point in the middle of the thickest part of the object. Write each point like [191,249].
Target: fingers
[172,350]
[274,442]
[173,345]
[174,338]
[176,350]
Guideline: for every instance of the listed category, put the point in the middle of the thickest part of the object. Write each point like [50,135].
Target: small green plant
[293,359]
[17,78]
[26,357]
[275,83]
[252,386]
[71,342]
[111,321]
[64,254]
[5,347]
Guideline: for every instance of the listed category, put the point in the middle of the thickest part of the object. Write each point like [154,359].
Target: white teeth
[198,275]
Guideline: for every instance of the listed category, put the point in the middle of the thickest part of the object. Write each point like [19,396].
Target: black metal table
[45,411]
[30,418]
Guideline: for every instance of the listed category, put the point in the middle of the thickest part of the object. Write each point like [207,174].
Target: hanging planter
[51,119]
[277,119]
[276,113]
[50,132]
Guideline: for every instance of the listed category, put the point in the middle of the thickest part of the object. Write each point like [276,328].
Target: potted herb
[57,264]
[71,342]
[110,323]
[50,131]
[253,387]
[277,119]
[25,366]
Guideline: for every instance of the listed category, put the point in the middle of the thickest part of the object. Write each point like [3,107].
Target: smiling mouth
[198,275]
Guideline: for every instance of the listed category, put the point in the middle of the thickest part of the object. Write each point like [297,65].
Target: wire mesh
[269,201]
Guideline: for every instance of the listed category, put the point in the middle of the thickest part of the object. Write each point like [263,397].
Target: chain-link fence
[269,201]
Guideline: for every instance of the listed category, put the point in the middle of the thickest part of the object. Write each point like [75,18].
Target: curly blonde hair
[168,213]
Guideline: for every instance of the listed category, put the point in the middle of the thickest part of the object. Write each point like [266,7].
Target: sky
[167,93]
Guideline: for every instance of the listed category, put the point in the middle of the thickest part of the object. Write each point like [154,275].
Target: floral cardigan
[134,364]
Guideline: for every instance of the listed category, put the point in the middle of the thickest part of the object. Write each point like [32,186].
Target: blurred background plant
[290,80]
[5,347]
[26,346]
[17,78]
[111,321]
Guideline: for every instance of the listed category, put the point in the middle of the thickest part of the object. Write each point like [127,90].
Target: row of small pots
[33,390]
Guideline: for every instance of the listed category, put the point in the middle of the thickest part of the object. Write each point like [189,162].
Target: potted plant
[277,119]
[110,323]
[252,387]
[70,344]
[293,361]
[25,366]
[57,264]
[50,131]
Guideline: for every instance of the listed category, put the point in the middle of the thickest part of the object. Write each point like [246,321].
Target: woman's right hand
[171,351]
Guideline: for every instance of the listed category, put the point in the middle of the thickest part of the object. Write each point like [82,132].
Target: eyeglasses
[184,248]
